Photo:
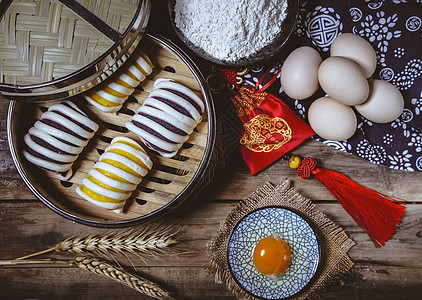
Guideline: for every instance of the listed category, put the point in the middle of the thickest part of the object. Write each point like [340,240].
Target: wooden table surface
[391,272]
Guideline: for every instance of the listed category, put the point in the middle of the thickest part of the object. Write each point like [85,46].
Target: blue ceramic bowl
[295,231]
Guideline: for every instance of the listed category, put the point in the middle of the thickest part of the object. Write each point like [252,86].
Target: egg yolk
[271,256]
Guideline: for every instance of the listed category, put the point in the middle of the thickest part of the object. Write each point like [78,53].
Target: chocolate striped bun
[110,95]
[55,141]
[117,173]
[167,117]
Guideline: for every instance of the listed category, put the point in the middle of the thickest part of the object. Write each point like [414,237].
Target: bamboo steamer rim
[198,181]
[91,74]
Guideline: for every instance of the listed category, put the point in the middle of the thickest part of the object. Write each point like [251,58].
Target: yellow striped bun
[116,175]
[110,95]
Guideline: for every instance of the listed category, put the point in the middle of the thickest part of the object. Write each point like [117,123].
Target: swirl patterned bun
[55,141]
[117,173]
[167,117]
[110,95]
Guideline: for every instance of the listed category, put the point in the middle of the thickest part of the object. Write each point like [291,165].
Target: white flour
[229,30]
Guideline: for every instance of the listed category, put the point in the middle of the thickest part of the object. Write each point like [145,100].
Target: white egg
[299,74]
[356,48]
[385,102]
[343,80]
[331,119]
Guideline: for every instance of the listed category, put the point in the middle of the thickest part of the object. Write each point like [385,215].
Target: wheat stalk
[106,269]
[150,240]
[140,284]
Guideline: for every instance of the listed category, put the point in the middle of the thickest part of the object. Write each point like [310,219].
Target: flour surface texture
[230,30]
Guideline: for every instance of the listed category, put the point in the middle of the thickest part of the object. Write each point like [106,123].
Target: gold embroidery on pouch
[245,100]
[265,134]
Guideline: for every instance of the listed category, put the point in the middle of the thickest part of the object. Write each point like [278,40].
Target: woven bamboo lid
[54,49]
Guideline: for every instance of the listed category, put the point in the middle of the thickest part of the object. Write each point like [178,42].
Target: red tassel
[377,214]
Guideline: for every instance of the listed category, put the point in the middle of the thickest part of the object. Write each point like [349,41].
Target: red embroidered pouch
[270,128]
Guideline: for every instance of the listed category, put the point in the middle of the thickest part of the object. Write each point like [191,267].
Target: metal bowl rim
[130,38]
[244,62]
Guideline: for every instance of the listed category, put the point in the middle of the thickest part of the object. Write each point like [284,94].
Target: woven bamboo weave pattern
[43,40]
[168,178]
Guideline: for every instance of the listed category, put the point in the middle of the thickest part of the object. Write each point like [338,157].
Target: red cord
[268,83]
[377,214]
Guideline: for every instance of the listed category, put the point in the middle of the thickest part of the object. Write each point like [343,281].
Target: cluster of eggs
[344,78]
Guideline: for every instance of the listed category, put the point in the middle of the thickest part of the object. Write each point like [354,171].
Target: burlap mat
[333,240]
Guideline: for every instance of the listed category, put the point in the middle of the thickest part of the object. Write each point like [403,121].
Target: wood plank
[26,225]
[392,272]
[402,184]
[72,283]
[32,227]
[197,224]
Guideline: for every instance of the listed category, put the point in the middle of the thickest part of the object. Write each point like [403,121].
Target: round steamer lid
[54,49]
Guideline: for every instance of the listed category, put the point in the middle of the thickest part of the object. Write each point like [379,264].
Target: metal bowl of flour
[262,55]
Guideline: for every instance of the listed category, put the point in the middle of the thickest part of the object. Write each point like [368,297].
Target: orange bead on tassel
[377,214]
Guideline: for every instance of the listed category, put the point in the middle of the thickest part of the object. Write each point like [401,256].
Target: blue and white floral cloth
[394,29]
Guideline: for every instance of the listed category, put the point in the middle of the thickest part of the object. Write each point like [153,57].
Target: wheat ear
[104,268]
[152,239]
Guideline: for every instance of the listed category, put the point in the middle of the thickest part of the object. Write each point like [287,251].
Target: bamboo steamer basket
[54,49]
[172,181]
